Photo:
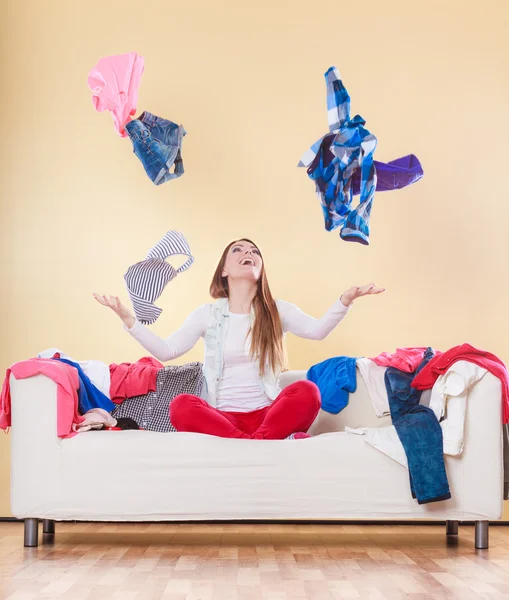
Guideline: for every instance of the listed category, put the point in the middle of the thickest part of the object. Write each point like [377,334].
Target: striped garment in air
[147,279]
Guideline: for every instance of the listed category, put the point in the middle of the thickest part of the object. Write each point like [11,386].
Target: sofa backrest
[358,413]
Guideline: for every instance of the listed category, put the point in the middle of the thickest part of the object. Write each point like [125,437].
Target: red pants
[293,410]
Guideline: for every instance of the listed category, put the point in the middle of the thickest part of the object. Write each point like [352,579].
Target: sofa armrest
[35,447]
[482,457]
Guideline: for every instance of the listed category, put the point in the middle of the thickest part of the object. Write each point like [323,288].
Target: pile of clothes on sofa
[425,393]
[94,395]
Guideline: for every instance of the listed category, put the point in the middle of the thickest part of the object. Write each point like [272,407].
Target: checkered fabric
[147,279]
[151,411]
[332,161]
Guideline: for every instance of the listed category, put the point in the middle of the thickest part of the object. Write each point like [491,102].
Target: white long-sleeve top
[239,388]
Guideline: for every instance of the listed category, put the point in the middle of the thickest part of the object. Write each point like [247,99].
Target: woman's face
[243,261]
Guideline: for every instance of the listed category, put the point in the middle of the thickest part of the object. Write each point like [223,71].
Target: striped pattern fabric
[332,161]
[147,279]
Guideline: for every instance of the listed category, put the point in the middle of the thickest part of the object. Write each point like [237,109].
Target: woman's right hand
[117,307]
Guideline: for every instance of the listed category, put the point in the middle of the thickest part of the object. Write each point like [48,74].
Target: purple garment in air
[393,175]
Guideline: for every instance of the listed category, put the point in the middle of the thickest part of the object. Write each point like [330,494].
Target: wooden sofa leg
[31,533]
[482,529]
[48,526]
[451,527]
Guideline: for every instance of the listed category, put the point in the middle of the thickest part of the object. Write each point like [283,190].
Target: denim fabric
[336,378]
[420,433]
[89,396]
[215,336]
[157,143]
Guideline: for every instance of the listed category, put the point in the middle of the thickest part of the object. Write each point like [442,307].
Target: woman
[243,333]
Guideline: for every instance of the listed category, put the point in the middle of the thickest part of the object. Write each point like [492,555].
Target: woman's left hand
[356,292]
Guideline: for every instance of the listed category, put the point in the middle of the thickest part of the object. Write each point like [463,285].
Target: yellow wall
[246,80]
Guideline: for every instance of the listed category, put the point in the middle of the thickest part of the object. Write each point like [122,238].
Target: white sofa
[147,476]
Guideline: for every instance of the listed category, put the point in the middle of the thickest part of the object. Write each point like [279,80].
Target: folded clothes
[133,379]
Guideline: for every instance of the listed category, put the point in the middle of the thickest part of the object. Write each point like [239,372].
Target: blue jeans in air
[420,433]
[157,143]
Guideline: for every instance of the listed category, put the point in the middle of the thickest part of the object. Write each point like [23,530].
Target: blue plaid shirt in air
[335,157]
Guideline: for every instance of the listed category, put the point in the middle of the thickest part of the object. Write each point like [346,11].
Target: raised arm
[172,347]
[176,344]
[299,323]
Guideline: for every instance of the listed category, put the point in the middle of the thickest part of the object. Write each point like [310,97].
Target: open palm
[116,306]
[353,293]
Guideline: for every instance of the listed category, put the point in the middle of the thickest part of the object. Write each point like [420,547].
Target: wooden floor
[251,562]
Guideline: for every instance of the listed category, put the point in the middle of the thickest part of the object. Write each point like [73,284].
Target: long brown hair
[267,330]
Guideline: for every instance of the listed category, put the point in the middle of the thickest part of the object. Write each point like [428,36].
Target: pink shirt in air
[114,82]
[67,380]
